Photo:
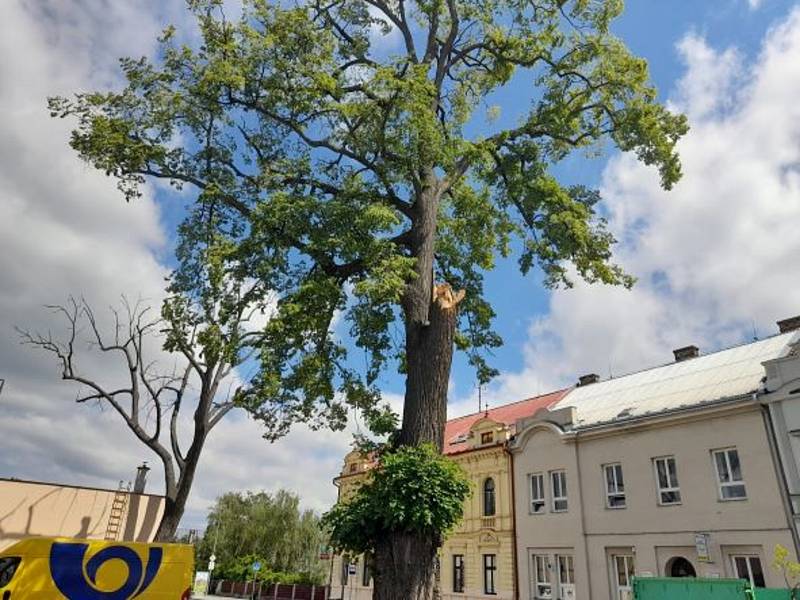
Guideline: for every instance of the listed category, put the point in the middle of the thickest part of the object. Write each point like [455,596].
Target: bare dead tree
[150,400]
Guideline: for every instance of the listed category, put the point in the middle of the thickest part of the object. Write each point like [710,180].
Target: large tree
[268,525]
[353,178]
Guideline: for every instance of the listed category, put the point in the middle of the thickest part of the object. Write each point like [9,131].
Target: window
[729,474]
[669,492]
[366,575]
[749,567]
[678,566]
[615,486]
[623,571]
[487,437]
[458,573]
[8,566]
[489,571]
[345,569]
[540,565]
[558,481]
[566,576]
[537,493]
[488,498]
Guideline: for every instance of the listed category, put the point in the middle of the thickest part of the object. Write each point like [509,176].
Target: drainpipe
[777,463]
[583,519]
[514,567]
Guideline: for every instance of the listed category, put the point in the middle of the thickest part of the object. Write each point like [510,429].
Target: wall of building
[44,509]
[652,534]
[783,402]
[479,535]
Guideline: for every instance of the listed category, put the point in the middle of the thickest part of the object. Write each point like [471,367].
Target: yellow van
[58,568]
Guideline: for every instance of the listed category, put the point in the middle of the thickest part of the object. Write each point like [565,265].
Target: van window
[8,566]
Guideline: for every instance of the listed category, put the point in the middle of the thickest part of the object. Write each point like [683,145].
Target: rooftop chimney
[141,478]
[588,379]
[686,353]
[789,324]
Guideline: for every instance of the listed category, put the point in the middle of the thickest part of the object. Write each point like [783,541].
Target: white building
[665,472]
[782,398]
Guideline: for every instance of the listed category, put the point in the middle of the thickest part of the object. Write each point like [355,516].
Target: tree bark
[405,562]
[429,355]
[175,504]
[405,567]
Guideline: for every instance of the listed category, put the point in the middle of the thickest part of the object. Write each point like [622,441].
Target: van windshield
[8,566]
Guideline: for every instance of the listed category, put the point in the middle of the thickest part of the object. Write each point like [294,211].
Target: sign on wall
[702,546]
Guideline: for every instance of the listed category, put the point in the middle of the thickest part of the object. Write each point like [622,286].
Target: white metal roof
[725,374]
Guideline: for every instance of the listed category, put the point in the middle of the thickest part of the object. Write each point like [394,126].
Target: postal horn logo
[67,570]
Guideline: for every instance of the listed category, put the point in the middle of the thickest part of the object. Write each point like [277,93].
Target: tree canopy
[271,527]
[414,490]
[336,179]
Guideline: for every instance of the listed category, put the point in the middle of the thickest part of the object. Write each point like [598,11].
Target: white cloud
[384,36]
[65,229]
[714,257]
[755,4]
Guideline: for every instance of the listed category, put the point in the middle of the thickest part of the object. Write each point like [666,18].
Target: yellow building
[477,559]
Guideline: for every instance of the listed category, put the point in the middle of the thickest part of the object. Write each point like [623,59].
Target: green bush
[241,569]
[413,489]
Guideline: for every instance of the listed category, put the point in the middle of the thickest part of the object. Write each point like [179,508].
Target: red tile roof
[507,414]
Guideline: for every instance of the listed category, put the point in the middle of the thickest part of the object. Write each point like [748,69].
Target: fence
[272,591]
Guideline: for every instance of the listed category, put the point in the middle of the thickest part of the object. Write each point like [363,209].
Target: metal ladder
[118,507]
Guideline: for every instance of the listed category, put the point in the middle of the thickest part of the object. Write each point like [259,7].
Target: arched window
[677,566]
[488,498]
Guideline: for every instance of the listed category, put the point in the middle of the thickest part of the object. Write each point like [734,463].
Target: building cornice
[683,414]
[77,487]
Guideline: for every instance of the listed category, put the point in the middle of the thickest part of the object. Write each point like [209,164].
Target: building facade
[666,472]
[35,508]
[687,469]
[782,401]
[477,559]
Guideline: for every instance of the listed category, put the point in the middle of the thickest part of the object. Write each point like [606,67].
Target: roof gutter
[514,566]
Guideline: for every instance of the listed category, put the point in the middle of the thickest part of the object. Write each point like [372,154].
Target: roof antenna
[480,401]
[755,334]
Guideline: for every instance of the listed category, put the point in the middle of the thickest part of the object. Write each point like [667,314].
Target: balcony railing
[487,522]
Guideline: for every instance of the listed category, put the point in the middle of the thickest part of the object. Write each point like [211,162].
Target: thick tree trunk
[173,513]
[175,503]
[405,563]
[429,355]
[405,567]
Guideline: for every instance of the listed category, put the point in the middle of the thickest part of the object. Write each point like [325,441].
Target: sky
[716,258]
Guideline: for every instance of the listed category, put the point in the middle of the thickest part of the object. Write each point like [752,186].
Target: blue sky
[651,29]
[716,257]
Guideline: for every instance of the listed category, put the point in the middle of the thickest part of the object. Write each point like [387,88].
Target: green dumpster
[689,588]
[773,594]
